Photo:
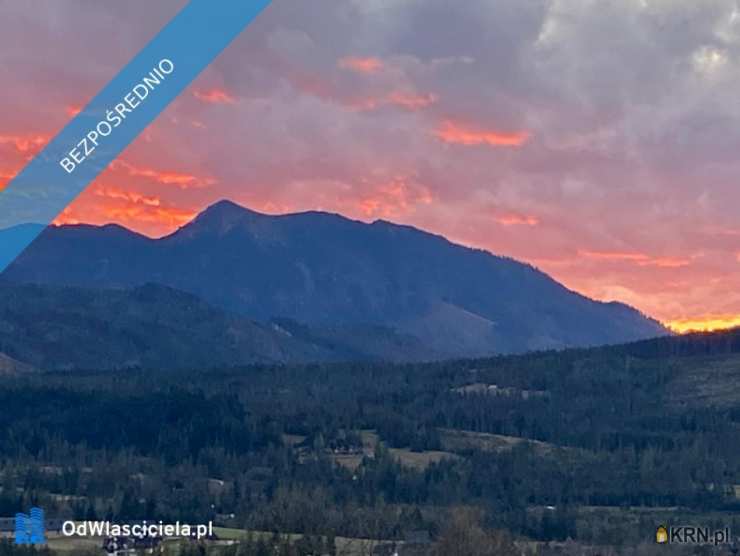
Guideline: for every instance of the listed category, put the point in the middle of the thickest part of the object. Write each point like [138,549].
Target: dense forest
[598,446]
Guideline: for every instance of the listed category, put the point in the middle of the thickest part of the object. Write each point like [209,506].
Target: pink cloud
[462,134]
[214,96]
[178,179]
[516,219]
[640,259]
[393,199]
[357,64]
[412,101]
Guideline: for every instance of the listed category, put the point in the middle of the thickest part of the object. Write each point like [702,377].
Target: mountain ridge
[57,328]
[324,269]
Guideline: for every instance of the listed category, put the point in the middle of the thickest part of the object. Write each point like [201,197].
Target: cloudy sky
[595,139]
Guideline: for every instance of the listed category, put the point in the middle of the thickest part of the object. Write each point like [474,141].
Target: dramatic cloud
[453,132]
[149,213]
[603,134]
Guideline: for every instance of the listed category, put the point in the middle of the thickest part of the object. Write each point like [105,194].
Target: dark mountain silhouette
[328,271]
[152,326]
[14,239]
[11,367]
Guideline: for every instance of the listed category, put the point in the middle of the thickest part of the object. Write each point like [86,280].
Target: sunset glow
[517,220]
[370,277]
[456,133]
[704,324]
[522,145]
[641,259]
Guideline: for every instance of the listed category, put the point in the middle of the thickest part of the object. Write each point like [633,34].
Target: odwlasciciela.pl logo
[30,527]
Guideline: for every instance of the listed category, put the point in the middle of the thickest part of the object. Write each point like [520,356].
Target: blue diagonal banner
[116,116]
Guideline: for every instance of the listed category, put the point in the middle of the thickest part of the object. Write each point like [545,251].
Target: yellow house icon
[661,535]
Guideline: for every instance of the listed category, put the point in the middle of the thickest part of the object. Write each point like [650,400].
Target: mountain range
[377,289]
[155,327]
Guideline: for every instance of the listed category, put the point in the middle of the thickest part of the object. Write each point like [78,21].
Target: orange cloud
[613,256]
[73,110]
[130,196]
[393,199]
[707,323]
[5,178]
[25,143]
[361,65]
[515,219]
[178,179]
[164,218]
[640,259]
[461,134]
[668,262]
[67,217]
[215,96]
[144,213]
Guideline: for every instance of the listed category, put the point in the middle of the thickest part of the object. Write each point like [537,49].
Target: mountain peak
[222,217]
[226,209]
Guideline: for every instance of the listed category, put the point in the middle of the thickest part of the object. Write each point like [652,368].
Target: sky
[596,140]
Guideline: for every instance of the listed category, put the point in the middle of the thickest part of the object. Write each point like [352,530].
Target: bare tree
[464,536]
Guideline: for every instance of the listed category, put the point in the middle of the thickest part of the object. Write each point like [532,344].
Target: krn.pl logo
[661,535]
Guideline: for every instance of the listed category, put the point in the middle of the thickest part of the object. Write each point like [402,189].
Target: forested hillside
[152,326]
[598,445]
